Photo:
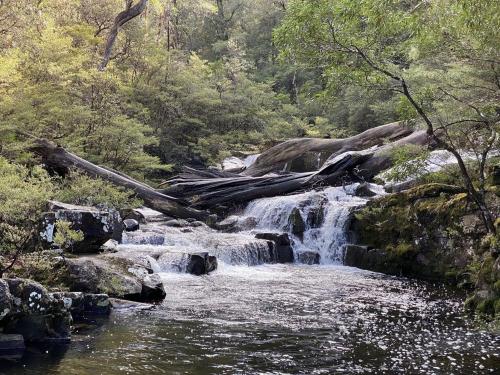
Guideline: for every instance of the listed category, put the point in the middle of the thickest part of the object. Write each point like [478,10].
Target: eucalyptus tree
[440,58]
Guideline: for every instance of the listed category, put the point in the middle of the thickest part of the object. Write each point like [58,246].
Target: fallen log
[275,158]
[351,166]
[58,158]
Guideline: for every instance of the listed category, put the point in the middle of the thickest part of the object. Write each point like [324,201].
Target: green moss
[496,287]
[486,306]
[496,306]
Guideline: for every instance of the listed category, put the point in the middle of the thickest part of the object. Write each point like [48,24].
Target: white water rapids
[325,214]
[322,216]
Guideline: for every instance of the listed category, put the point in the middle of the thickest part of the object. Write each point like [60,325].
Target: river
[281,319]
[247,318]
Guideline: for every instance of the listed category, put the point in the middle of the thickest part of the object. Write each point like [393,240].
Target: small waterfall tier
[315,220]
[174,244]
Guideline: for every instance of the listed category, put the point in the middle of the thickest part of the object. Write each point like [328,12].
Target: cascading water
[323,216]
[172,245]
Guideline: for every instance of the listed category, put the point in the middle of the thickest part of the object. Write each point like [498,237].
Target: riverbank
[431,232]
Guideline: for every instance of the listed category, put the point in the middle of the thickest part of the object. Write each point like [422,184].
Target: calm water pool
[280,319]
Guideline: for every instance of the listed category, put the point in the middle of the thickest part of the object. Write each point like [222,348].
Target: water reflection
[278,319]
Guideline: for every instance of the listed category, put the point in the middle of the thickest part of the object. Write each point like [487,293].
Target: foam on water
[331,207]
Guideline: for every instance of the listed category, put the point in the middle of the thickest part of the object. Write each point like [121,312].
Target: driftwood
[207,192]
[276,157]
[58,158]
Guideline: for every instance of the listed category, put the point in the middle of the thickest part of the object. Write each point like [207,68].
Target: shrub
[23,197]
[83,190]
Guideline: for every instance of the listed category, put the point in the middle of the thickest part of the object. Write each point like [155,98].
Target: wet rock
[228,223]
[296,223]
[134,215]
[201,264]
[130,225]
[316,217]
[81,304]
[98,226]
[197,224]
[247,223]
[96,304]
[121,304]
[364,190]
[11,347]
[110,246]
[176,223]
[282,249]
[109,274]
[368,258]
[152,289]
[36,315]
[308,257]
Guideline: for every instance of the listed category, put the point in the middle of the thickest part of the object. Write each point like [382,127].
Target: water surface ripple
[282,319]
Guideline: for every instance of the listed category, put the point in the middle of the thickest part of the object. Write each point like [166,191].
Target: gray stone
[98,226]
[201,264]
[96,304]
[114,275]
[228,223]
[6,299]
[36,315]
[131,225]
[308,257]
[281,246]
[196,224]
[364,190]
[133,214]
[110,246]
[296,223]
[248,223]
[152,288]
[121,304]
[176,223]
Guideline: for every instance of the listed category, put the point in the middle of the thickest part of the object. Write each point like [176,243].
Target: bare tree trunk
[58,157]
[206,189]
[274,158]
[131,11]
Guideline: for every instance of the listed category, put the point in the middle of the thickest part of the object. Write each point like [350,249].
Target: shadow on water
[278,319]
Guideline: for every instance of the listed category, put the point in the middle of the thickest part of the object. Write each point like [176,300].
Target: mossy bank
[431,232]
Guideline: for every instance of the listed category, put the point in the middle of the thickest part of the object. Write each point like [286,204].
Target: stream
[251,316]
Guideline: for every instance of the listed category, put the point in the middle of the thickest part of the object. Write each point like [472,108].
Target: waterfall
[322,215]
[173,244]
[316,222]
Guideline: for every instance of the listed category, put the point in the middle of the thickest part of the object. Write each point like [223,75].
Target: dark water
[279,319]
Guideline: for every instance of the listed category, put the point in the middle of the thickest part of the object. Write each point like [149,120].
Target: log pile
[193,192]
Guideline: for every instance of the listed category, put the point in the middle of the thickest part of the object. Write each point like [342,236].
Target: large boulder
[282,246]
[35,314]
[134,214]
[114,275]
[97,225]
[228,224]
[364,190]
[82,305]
[152,288]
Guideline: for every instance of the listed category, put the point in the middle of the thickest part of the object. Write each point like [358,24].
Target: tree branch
[122,18]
